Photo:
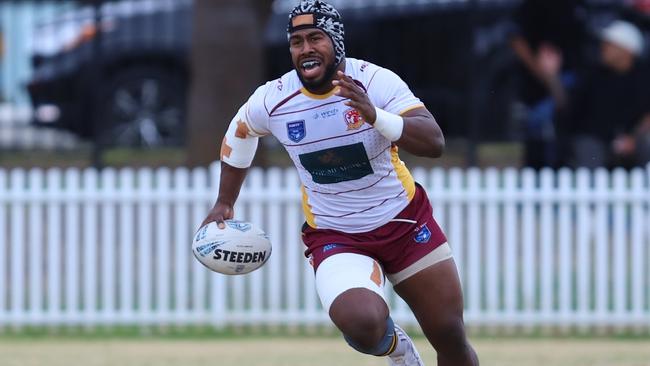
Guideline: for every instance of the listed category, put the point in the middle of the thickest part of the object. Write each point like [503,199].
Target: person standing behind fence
[547,39]
[342,120]
[611,103]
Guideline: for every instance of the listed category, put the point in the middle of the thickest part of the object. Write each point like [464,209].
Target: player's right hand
[219,212]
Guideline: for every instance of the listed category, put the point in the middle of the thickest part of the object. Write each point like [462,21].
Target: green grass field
[305,351]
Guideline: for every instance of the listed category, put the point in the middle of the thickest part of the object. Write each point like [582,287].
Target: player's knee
[360,317]
[363,328]
[371,346]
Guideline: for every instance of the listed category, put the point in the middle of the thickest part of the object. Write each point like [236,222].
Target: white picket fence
[82,247]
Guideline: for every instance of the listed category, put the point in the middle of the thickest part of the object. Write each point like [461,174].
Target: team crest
[296,130]
[353,119]
[423,235]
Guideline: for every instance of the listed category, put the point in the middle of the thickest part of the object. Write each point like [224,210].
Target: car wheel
[143,107]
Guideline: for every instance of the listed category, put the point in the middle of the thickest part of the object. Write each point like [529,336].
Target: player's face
[312,54]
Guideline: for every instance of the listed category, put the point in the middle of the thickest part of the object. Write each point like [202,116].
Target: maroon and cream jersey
[352,178]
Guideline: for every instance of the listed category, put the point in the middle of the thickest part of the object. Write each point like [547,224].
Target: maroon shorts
[395,245]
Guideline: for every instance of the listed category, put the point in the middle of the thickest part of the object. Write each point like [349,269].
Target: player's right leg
[351,288]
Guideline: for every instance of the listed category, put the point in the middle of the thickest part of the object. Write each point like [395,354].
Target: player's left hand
[357,97]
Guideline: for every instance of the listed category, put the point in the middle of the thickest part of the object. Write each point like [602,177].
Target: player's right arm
[237,152]
[230,184]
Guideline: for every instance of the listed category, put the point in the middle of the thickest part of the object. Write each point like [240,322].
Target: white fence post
[108,263]
[511,264]
[55,249]
[546,243]
[163,244]
[602,236]
[126,245]
[35,244]
[292,251]
[90,240]
[492,243]
[17,268]
[4,197]
[584,252]
[619,242]
[640,286]
[274,224]
[181,254]
[529,230]
[565,242]
[143,247]
[71,243]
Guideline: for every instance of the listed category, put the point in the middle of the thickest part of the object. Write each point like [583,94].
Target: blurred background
[92,82]
[112,114]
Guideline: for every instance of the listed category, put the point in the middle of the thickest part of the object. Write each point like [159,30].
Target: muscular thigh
[434,295]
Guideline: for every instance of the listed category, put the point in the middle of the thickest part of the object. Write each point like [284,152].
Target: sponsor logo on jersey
[328,113]
[238,225]
[353,119]
[337,164]
[296,130]
[423,235]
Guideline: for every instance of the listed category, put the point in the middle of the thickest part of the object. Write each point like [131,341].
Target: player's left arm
[416,131]
[421,134]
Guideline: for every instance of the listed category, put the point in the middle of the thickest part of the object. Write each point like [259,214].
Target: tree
[226,66]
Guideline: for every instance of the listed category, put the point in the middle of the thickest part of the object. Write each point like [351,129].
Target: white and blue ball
[239,248]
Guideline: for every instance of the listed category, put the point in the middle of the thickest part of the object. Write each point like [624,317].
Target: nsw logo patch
[296,130]
[423,235]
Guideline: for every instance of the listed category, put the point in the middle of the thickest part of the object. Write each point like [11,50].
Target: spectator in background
[611,104]
[548,40]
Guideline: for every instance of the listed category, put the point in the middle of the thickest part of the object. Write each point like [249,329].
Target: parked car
[120,76]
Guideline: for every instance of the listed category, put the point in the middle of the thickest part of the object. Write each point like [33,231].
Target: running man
[342,120]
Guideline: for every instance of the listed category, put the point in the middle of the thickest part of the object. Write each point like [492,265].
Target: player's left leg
[434,295]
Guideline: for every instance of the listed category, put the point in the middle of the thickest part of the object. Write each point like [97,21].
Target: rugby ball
[237,249]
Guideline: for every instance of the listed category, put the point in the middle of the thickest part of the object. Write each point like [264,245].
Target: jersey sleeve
[391,93]
[253,114]
[239,144]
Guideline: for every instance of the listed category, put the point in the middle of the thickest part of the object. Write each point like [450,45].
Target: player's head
[316,41]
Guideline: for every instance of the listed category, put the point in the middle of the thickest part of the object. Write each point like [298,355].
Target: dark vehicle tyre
[143,107]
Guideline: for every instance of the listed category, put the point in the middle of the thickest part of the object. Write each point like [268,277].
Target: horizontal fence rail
[85,247]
